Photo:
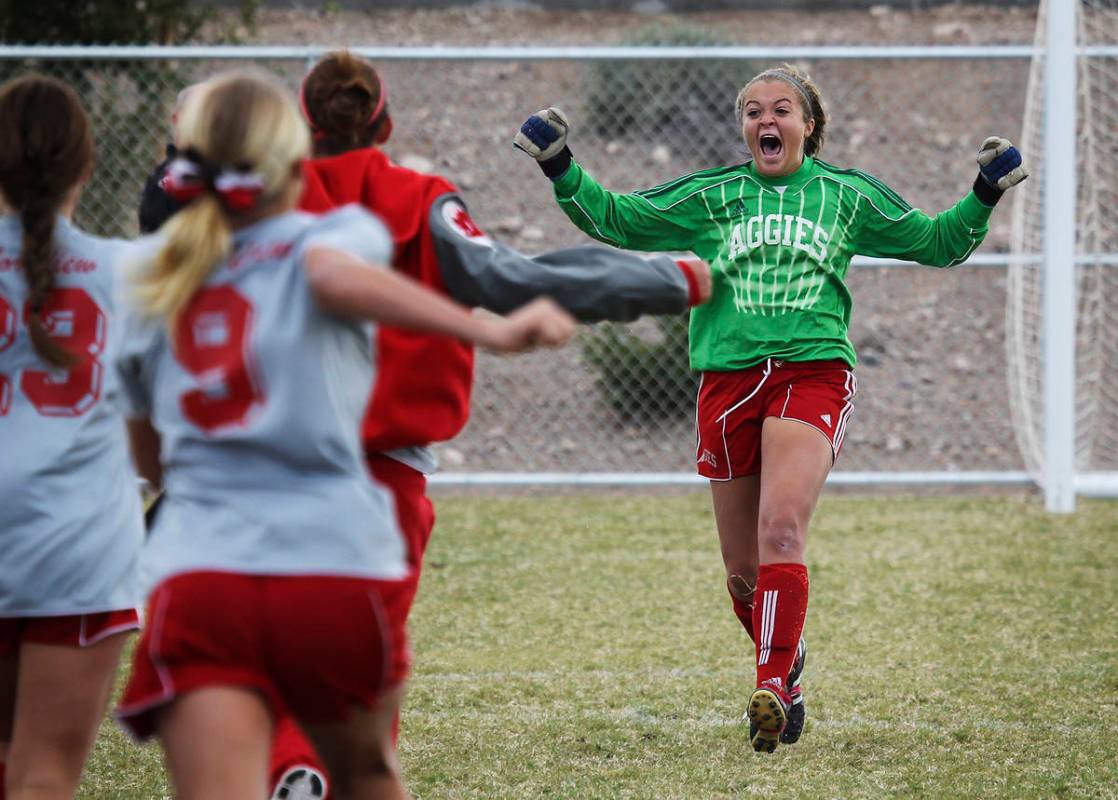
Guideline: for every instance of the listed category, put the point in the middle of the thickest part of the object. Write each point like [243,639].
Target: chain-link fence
[932,370]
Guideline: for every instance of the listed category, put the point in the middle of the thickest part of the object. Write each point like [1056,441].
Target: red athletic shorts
[414,512]
[732,406]
[75,630]
[314,646]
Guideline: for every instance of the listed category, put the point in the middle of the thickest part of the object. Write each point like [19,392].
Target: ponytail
[46,151]
[198,238]
[240,142]
[37,254]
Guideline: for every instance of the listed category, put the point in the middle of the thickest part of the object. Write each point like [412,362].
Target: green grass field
[583,647]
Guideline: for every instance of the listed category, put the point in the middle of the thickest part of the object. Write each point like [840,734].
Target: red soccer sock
[744,612]
[290,749]
[779,608]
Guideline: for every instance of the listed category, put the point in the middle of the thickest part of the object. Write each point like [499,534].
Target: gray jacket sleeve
[593,283]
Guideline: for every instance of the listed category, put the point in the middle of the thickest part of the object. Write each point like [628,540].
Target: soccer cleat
[796,714]
[768,710]
[300,783]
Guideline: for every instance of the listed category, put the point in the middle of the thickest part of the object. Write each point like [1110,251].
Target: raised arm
[623,220]
[592,283]
[893,229]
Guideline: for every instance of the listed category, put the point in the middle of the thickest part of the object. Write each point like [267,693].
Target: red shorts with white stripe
[314,646]
[75,630]
[732,407]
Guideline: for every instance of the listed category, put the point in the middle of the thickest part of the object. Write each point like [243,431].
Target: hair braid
[37,255]
[46,149]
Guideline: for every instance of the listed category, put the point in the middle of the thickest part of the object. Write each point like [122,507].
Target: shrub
[109,21]
[642,379]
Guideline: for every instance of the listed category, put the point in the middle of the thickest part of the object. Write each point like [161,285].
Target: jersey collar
[784,182]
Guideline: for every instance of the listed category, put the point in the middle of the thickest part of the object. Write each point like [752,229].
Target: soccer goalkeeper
[772,344]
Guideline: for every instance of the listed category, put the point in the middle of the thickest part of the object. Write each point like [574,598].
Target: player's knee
[781,534]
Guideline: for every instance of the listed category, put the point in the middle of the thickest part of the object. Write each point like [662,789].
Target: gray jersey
[593,283]
[259,401]
[70,525]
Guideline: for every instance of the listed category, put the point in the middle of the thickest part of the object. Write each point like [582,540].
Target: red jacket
[422,392]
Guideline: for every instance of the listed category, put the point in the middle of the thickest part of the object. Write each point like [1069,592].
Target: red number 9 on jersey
[211,342]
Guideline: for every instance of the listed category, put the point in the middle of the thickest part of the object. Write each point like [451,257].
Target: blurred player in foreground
[70,530]
[296,772]
[278,564]
[772,344]
[422,394]
[424,381]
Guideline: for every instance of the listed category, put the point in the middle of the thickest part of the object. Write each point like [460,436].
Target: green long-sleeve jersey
[778,248]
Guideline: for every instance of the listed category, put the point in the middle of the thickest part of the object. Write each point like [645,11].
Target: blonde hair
[811,100]
[242,121]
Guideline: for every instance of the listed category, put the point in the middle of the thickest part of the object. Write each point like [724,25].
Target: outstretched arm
[592,283]
[344,285]
[623,220]
[893,229]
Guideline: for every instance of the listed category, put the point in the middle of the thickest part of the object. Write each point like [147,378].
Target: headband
[787,77]
[317,132]
[188,176]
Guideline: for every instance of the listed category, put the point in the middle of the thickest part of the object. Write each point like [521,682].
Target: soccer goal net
[1096,246]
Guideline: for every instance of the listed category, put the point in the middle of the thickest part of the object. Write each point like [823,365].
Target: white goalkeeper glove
[1000,163]
[543,136]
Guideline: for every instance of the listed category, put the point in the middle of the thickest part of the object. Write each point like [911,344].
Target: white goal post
[1061,321]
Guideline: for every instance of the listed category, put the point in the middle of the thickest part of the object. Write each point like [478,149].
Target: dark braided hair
[46,149]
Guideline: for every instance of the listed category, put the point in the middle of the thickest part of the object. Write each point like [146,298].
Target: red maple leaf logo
[466,225]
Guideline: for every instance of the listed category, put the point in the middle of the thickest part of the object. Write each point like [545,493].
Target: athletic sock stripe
[772,621]
[768,618]
[766,606]
[763,650]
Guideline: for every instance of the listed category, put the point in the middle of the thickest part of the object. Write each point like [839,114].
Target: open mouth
[771,146]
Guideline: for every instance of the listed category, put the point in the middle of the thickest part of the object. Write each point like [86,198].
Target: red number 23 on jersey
[77,323]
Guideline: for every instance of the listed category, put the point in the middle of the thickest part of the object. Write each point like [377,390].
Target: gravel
[932,390]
